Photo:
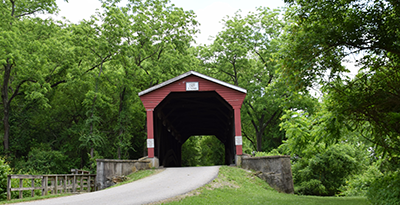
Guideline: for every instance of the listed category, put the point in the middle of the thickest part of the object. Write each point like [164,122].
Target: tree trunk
[93,108]
[119,151]
[259,141]
[121,131]
[91,152]
[6,105]
[119,147]
[262,127]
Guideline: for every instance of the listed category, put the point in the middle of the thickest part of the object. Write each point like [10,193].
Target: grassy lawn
[238,186]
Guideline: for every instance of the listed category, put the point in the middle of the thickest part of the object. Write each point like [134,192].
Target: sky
[209,12]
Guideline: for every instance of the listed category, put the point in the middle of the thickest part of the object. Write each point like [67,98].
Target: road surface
[169,183]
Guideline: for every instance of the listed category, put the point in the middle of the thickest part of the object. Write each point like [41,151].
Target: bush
[385,190]
[324,173]
[311,187]
[43,160]
[358,185]
[4,171]
[273,152]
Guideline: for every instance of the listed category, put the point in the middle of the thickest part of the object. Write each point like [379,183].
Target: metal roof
[172,80]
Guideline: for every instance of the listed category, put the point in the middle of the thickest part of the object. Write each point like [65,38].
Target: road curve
[169,183]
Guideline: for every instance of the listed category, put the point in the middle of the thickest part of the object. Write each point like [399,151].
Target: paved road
[167,184]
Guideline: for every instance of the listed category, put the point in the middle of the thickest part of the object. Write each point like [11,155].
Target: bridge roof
[177,78]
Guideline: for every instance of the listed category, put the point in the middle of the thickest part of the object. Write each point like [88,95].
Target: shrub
[43,160]
[385,190]
[273,152]
[324,173]
[311,187]
[4,171]
[358,185]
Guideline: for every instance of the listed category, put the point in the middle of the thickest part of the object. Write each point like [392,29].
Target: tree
[322,34]
[325,152]
[128,49]
[245,54]
[32,55]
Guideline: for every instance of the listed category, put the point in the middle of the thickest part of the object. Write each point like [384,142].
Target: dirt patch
[222,182]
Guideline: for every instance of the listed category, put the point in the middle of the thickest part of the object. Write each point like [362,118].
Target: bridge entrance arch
[192,104]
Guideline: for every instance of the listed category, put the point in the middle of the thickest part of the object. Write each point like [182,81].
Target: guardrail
[53,184]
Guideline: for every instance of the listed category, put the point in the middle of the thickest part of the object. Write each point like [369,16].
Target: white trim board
[234,87]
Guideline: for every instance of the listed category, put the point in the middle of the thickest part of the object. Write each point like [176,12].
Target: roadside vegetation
[237,186]
[34,198]
[69,92]
[136,176]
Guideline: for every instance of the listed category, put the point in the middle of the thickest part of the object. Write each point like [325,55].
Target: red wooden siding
[233,97]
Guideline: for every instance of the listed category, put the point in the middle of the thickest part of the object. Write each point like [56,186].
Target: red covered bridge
[188,105]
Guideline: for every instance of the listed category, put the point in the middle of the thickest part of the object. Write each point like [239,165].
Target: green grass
[238,186]
[138,175]
[33,198]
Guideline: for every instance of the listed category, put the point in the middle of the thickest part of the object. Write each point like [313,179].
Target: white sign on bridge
[192,86]
[150,143]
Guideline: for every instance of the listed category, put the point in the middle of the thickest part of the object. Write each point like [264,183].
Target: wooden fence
[53,184]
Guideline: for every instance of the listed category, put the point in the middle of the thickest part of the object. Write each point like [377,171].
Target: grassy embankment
[238,186]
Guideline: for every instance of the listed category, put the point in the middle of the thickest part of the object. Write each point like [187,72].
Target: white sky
[209,12]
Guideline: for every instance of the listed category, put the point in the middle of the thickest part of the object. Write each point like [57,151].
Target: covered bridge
[188,105]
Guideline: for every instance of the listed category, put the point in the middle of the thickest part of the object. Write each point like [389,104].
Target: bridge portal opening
[182,115]
[204,150]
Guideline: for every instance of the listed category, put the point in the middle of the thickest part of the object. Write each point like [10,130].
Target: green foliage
[89,74]
[203,151]
[385,189]
[43,160]
[311,187]
[245,53]
[190,152]
[325,172]
[273,152]
[322,36]
[5,170]
[358,185]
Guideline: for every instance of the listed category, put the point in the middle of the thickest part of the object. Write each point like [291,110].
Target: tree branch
[271,118]
[58,83]
[16,92]
[28,13]
[247,137]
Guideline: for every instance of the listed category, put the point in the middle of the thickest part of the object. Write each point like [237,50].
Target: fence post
[74,185]
[46,184]
[56,184]
[81,184]
[65,183]
[33,186]
[43,180]
[88,184]
[9,187]
[21,184]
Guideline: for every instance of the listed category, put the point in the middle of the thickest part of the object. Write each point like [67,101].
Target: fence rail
[53,184]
